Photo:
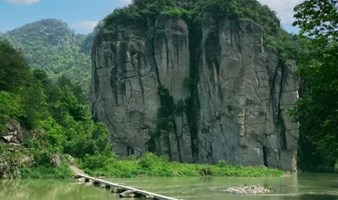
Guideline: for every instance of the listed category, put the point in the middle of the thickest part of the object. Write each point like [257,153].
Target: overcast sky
[83,15]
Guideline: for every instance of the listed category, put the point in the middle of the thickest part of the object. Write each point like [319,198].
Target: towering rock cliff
[195,94]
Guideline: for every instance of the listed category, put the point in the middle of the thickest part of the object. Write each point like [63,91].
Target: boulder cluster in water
[254,189]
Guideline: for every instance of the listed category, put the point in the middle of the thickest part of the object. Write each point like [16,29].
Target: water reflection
[317,197]
[303,187]
[49,189]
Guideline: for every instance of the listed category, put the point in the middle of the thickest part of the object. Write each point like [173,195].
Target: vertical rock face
[244,94]
[195,96]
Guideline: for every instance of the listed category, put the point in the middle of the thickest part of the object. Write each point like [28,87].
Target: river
[302,187]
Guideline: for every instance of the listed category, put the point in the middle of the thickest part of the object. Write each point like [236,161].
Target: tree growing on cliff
[317,110]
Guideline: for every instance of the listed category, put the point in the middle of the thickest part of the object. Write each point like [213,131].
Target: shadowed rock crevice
[192,102]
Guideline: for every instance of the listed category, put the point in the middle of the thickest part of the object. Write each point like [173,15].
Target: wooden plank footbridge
[124,191]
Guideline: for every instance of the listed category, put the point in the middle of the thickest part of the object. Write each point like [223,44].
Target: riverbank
[151,165]
[19,162]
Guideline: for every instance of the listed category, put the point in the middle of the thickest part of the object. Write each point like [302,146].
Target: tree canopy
[318,19]
[317,110]
[13,67]
[141,12]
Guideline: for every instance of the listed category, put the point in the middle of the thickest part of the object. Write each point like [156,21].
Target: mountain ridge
[49,44]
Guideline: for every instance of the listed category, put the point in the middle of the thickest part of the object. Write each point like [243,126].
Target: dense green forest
[317,110]
[50,45]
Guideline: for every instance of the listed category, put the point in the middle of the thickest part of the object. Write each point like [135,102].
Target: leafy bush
[149,160]
[10,107]
[222,163]
[205,171]
[175,12]
[61,172]
[43,158]
[97,161]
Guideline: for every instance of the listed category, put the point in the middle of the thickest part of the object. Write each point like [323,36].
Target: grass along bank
[19,162]
[151,165]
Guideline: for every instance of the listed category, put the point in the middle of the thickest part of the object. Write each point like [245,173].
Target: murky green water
[303,187]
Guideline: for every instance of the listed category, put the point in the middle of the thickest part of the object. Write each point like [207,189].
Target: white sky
[284,10]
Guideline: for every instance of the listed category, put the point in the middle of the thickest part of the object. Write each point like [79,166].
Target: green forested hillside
[50,45]
[54,115]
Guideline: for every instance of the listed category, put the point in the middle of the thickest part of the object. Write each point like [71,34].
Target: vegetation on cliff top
[141,12]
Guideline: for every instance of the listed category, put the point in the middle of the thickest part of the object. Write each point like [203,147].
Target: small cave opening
[130,151]
[265,156]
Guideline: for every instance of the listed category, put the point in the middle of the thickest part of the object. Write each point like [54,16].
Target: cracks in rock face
[163,133]
[114,75]
[193,102]
[280,116]
[167,53]
[234,34]
[276,94]
[178,140]
[139,75]
[151,39]
[109,120]
[96,92]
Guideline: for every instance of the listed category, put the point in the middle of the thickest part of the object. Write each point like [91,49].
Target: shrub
[10,107]
[205,171]
[149,160]
[42,158]
[97,161]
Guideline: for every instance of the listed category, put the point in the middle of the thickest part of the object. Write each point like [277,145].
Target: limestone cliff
[195,94]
